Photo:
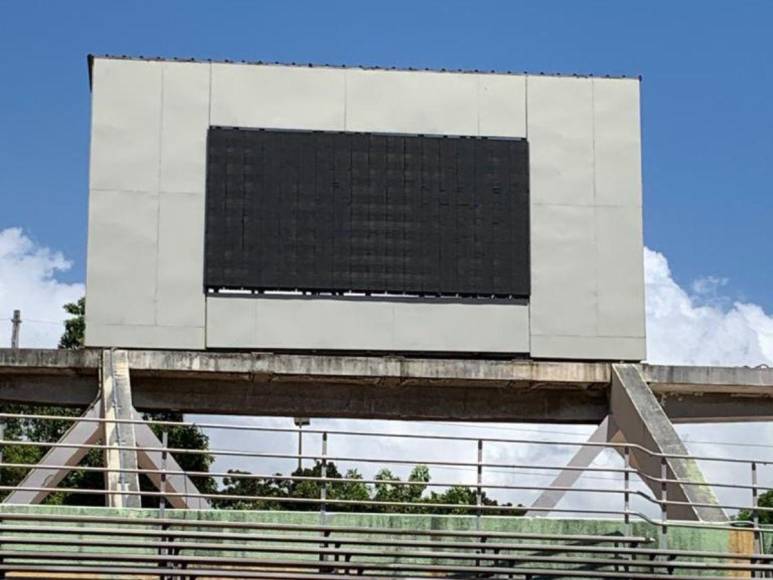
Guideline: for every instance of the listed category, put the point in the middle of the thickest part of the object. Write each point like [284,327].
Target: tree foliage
[765,500]
[75,326]
[268,493]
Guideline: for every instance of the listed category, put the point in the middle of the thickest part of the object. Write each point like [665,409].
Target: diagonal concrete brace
[79,433]
[150,457]
[643,422]
[581,460]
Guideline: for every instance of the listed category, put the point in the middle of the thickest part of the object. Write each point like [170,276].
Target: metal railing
[481,500]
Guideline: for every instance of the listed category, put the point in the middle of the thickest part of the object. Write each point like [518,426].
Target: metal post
[162,486]
[323,487]
[16,322]
[479,492]
[663,504]
[162,498]
[300,422]
[323,498]
[300,447]
[755,513]
[627,492]
[2,437]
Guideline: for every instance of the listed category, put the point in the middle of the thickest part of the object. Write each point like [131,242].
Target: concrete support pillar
[114,402]
[643,422]
[637,417]
[121,475]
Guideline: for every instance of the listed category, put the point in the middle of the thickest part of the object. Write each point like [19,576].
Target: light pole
[16,322]
[300,422]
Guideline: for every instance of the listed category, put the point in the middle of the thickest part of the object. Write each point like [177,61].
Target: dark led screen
[374,213]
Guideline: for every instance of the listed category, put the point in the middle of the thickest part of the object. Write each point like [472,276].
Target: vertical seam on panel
[597,257]
[529,311]
[255,331]
[205,329]
[346,100]
[158,198]
[205,333]
[209,104]
[477,103]
[526,106]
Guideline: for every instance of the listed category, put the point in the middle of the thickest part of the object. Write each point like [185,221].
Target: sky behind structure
[706,97]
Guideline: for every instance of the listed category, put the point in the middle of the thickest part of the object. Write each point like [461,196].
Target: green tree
[351,490]
[242,483]
[765,517]
[74,327]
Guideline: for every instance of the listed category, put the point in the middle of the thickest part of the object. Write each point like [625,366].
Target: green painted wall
[680,538]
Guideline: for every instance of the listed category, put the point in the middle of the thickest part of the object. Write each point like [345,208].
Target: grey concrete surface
[382,386]
[116,399]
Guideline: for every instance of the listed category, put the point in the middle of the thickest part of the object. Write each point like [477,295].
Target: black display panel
[374,213]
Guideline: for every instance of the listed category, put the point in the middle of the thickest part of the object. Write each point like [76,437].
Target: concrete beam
[736,381]
[386,387]
[642,421]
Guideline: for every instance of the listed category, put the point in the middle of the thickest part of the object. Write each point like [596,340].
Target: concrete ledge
[388,387]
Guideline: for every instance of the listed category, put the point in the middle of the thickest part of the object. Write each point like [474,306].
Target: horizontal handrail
[314,528]
[226,426]
[440,552]
[243,561]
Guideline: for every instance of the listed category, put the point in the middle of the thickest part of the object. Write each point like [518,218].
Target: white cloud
[28,283]
[704,327]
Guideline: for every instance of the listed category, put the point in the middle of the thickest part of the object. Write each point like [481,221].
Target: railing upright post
[663,503]
[479,491]
[627,490]
[323,486]
[162,486]
[323,500]
[2,438]
[755,513]
[163,551]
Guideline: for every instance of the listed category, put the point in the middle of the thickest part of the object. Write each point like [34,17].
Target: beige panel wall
[411,102]
[278,97]
[146,209]
[587,282]
[147,182]
[329,324]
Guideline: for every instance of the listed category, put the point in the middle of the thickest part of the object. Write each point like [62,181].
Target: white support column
[121,475]
[79,433]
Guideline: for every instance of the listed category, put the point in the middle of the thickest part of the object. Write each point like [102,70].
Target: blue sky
[707,96]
